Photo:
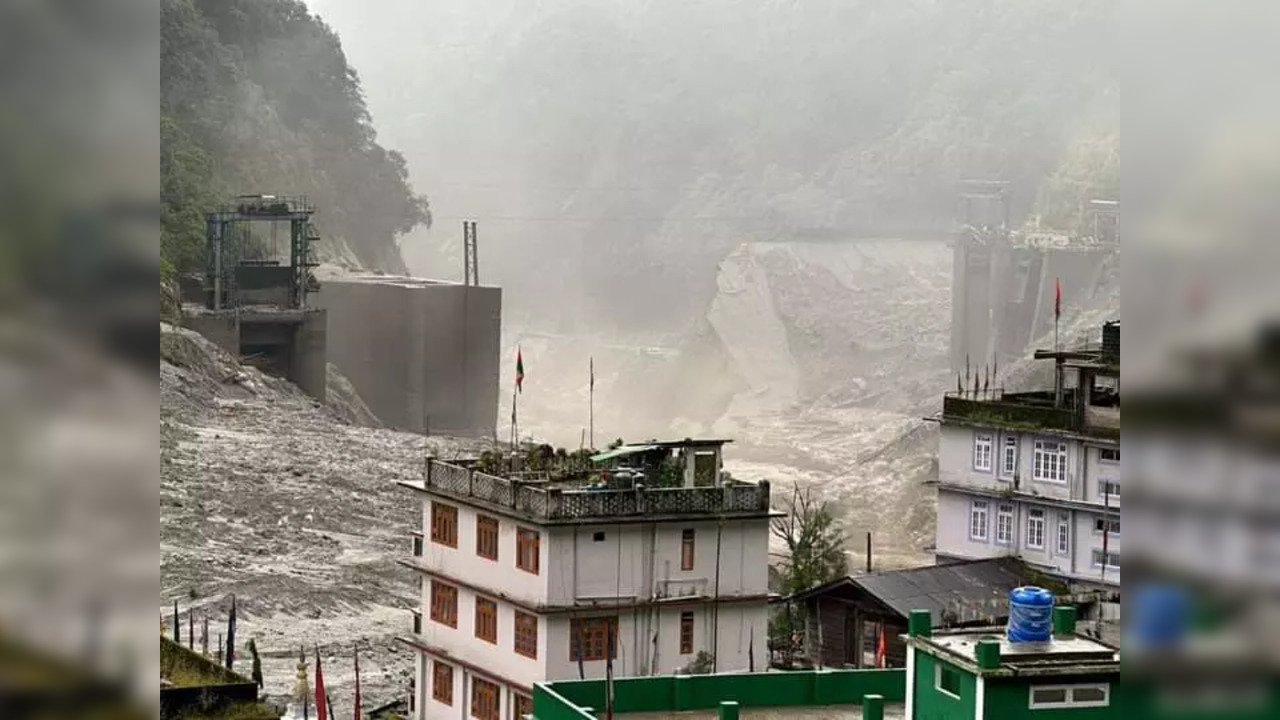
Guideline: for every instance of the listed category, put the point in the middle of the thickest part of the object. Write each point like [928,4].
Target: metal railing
[568,504]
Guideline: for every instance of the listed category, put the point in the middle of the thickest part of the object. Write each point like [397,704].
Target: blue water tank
[1030,615]
[1159,617]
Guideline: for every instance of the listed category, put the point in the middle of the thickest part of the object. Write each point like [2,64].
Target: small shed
[844,617]
[687,463]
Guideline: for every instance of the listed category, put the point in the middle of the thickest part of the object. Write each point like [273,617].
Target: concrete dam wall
[1002,299]
[422,354]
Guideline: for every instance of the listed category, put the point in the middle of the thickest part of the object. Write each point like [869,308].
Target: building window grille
[444,524]
[442,683]
[1109,560]
[526,632]
[487,537]
[444,604]
[1035,529]
[487,620]
[686,549]
[1067,696]
[591,638]
[978,520]
[527,548]
[982,453]
[1064,534]
[484,699]
[1110,525]
[686,633]
[1009,456]
[1004,525]
[1109,490]
[523,706]
[1050,461]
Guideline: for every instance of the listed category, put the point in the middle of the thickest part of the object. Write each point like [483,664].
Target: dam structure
[253,298]
[423,354]
[1004,281]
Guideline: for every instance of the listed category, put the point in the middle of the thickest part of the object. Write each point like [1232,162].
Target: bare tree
[815,555]
[815,544]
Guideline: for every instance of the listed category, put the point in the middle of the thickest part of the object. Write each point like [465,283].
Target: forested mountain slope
[257,96]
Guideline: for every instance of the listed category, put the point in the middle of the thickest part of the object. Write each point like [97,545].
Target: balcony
[548,504]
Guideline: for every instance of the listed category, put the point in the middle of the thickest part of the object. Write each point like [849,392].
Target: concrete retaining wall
[422,354]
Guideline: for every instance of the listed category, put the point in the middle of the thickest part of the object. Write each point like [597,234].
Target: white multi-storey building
[1036,475]
[525,581]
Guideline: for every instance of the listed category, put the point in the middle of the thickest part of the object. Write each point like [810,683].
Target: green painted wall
[932,704]
[550,705]
[1011,698]
[704,692]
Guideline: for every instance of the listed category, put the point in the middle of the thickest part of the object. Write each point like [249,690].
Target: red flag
[1057,299]
[357,656]
[322,701]
[519,370]
[880,649]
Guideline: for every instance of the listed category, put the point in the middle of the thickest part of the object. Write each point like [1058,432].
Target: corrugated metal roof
[970,588]
[622,451]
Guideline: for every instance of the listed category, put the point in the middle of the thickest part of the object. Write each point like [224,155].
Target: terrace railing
[550,504]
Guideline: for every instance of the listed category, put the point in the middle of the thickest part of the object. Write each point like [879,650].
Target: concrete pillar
[872,707]
[920,624]
[729,710]
[310,355]
[987,653]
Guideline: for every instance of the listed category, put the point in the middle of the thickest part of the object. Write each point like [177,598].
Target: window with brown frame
[444,524]
[487,537]
[527,542]
[523,706]
[484,699]
[594,636]
[686,633]
[526,635]
[487,620]
[444,604]
[686,549]
[442,682]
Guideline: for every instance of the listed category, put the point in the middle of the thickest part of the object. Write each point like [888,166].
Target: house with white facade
[1036,475]
[527,577]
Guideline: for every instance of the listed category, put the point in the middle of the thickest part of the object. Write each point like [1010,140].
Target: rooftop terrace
[583,501]
[988,652]
[1088,406]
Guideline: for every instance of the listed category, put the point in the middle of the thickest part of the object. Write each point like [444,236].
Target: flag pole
[591,401]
